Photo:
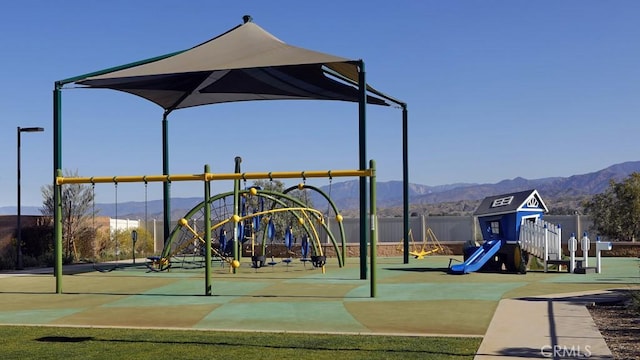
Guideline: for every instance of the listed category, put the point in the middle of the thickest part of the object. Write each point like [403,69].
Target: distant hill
[389,194]
[345,194]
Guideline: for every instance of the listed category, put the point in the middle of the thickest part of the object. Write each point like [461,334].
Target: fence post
[573,246]
[559,233]
[546,249]
[585,243]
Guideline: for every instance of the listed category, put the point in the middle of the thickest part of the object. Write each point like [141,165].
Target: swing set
[429,245]
[113,233]
[185,238]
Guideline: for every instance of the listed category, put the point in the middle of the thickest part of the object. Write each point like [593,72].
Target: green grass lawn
[24,342]
[110,310]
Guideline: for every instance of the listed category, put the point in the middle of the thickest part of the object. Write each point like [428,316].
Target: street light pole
[19,225]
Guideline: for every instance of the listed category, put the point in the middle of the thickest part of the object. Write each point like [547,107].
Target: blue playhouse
[500,218]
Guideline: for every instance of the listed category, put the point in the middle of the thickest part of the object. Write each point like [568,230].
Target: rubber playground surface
[418,298]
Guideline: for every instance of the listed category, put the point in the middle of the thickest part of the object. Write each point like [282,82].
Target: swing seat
[318,261]
[272,262]
[257,261]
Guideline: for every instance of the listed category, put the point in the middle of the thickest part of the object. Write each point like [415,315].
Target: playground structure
[500,218]
[429,245]
[513,230]
[186,239]
[255,228]
[245,63]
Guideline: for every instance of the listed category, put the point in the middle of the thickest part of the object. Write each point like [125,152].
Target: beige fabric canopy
[244,63]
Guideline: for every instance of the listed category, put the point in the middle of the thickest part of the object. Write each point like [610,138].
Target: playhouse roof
[528,200]
[244,63]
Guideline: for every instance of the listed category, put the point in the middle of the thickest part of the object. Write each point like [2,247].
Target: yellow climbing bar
[61,180]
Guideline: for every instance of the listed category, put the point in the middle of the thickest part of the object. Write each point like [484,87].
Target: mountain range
[389,194]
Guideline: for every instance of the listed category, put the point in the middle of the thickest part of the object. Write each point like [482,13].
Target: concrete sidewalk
[546,327]
[75,268]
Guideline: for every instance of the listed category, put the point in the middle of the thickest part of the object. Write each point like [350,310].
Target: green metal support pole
[166,186]
[57,219]
[405,182]
[207,234]
[57,193]
[57,161]
[362,87]
[236,212]
[374,226]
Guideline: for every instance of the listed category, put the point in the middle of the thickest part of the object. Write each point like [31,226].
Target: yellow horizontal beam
[61,180]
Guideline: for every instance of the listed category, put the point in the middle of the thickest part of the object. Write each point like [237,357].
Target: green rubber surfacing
[419,298]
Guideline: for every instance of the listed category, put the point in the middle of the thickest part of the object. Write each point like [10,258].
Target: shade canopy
[244,63]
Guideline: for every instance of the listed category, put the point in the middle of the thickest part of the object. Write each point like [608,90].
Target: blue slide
[483,254]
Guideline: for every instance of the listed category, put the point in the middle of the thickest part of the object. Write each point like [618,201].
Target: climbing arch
[186,238]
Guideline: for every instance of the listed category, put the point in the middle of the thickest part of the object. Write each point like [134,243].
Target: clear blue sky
[495,90]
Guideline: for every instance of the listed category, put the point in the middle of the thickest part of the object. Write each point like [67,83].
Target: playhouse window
[495,227]
[502,201]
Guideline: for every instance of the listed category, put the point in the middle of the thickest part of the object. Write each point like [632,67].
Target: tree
[281,220]
[118,244]
[616,211]
[77,212]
